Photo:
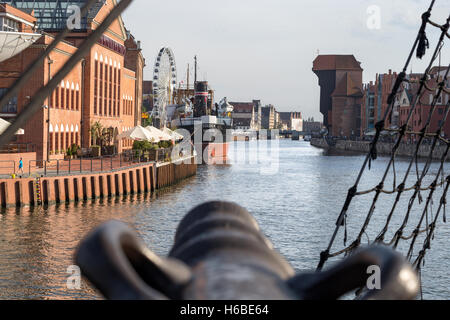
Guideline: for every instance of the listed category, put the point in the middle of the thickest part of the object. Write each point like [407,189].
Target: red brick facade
[376,96]
[105,87]
[340,79]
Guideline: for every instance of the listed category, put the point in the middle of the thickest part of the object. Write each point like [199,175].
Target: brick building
[291,121]
[376,96]
[268,117]
[148,95]
[247,115]
[105,87]
[341,96]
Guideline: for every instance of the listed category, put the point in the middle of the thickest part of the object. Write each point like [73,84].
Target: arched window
[62,104]
[100,108]
[56,143]
[61,144]
[51,142]
[78,100]
[72,100]
[57,97]
[105,90]
[68,96]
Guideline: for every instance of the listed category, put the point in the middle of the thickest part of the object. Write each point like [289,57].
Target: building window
[118,92]
[105,96]
[56,143]
[78,100]
[63,94]
[115,92]
[72,101]
[8,25]
[61,144]
[57,97]
[51,142]
[101,90]
[11,106]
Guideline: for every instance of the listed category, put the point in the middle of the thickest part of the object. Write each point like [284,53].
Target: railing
[102,164]
[7,167]
[18,148]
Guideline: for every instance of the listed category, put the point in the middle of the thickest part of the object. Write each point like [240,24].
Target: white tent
[139,133]
[162,136]
[5,124]
[175,136]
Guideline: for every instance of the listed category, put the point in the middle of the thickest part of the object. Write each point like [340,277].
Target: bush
[74,149]
[165,144]
[143,145]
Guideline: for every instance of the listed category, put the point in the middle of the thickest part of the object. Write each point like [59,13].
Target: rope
[420,46]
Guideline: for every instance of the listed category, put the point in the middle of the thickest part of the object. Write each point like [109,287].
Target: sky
[264,49]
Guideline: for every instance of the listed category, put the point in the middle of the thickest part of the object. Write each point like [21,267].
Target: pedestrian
[21,165]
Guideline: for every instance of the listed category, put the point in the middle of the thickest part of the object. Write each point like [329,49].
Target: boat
[209,123]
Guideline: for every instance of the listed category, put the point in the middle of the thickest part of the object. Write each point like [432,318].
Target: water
[296,207]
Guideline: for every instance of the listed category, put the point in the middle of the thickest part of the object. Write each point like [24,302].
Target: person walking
[21,165]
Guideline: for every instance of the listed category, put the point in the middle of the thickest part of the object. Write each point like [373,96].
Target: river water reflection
[296,206]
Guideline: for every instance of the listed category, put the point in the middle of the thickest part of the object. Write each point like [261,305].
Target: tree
[96,132]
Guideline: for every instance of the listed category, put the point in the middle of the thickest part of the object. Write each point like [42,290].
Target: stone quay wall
[383,148]
[44,190]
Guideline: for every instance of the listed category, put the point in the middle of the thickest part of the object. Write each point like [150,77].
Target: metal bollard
[220,254]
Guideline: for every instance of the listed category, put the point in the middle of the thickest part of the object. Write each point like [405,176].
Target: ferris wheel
[164,82]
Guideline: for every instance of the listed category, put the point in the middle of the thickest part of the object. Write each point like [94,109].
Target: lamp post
[50,62]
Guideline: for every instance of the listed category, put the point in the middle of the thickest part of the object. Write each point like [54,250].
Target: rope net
[419,185]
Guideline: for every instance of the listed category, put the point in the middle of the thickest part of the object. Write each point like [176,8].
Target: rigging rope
[420,46]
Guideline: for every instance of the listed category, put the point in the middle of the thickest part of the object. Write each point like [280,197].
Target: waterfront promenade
[87,179]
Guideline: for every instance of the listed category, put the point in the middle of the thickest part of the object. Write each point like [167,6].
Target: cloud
[263,49]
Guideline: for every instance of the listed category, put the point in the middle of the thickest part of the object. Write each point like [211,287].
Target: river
[296,197]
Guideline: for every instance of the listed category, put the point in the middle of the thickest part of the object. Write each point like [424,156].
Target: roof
[347,87]
[336,62]
[242,107]
[53,15]
[285,116]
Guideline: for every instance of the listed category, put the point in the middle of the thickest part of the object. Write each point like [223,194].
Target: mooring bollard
[220,254]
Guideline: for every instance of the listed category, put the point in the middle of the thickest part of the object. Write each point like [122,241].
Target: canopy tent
[162,136]
[139,133]
[5,124]
[12,43]
[175,136]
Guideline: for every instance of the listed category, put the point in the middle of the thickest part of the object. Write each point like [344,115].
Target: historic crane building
[341,93]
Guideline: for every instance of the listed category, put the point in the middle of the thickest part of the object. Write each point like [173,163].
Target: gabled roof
[242,107]
[336,62]
[347,87]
